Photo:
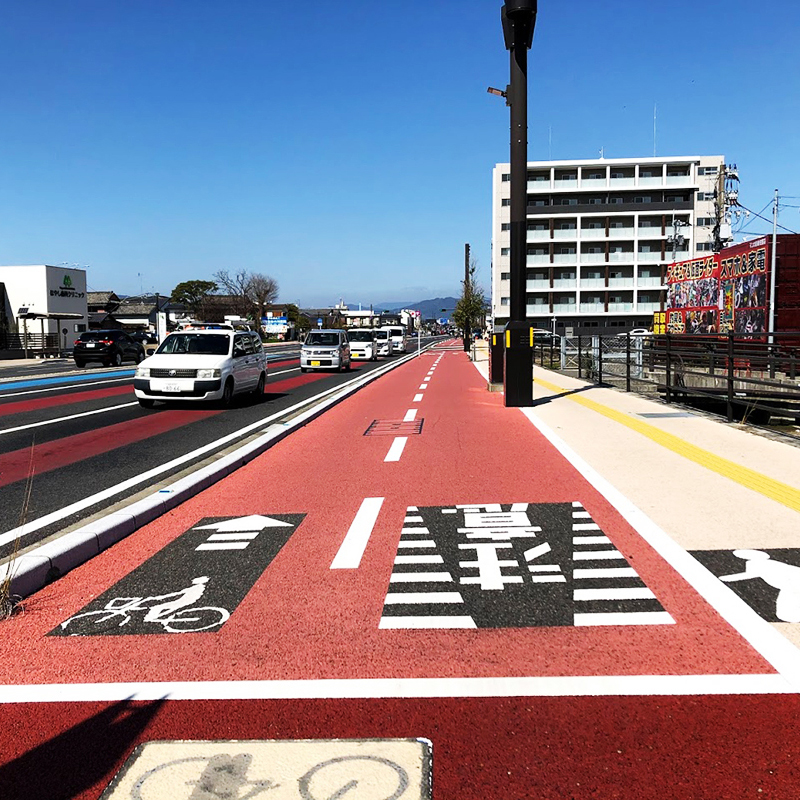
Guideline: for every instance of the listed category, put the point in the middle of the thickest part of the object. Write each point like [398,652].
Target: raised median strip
[41,565]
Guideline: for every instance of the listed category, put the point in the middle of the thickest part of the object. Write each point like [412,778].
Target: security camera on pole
[519,20]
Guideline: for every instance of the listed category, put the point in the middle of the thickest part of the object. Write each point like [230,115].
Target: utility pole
[519,20]
[773,264]
[467,333]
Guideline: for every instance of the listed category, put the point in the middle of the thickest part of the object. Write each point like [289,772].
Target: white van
[397,335]
[383,341]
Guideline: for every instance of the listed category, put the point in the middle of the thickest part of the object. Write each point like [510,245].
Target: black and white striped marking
[520,565]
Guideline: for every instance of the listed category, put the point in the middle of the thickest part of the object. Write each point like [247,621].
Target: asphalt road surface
[75,434]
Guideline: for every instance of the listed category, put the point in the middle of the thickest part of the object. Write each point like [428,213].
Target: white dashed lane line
[411,415]
[396,450]
[417,398]
[357,537]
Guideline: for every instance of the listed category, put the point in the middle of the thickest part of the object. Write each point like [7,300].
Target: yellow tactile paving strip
[775,490]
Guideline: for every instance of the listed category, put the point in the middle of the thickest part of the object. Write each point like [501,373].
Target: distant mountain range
[429,309]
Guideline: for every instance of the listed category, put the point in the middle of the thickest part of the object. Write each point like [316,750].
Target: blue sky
[346,148]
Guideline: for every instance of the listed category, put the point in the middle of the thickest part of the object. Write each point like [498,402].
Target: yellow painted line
[776,490]
[508,340]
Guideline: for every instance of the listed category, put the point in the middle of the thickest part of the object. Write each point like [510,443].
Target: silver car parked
[325,349]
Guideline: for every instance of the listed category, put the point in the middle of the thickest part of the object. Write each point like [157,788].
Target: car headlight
[206,374]
[142,372]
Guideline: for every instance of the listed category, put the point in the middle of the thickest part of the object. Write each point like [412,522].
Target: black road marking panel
[767,580]
[193,584]
[392,427]
[512,566]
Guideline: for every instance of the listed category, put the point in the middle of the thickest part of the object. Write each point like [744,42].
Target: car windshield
[198,343]
[360,336]
[381,334]
[323,338]
[96,336]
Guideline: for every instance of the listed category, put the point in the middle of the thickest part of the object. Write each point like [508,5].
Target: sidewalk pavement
[709,484]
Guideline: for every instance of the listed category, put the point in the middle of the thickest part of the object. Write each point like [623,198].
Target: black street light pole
[519,20]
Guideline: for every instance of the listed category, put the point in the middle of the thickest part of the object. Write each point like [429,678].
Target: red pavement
[304,621]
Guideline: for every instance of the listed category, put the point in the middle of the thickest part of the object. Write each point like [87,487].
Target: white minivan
[202,365]
[397,335]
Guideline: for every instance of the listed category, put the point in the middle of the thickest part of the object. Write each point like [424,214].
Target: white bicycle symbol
[172,611]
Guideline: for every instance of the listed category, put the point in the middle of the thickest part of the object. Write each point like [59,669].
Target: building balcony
[592,308]
[570,234]
[649,258]
[621,283]
[621,233]
[616,307]
[620,183]
[593,283]
[536,309]
[564,308]
[593,183]
[565,258]
[648,281]
[564,283]
[625,257]
[565,183]
[593,258]
[535,187]
[648,307]
[593,233]
[679,180]
[533,260]
[536,236]
[537,285]
[658,181]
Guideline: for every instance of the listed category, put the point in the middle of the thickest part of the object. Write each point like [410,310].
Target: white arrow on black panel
[236,534]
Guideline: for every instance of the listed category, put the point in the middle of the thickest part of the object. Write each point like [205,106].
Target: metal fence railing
[736,375]
[32,342]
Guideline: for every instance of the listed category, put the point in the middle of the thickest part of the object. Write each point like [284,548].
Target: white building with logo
[44,301]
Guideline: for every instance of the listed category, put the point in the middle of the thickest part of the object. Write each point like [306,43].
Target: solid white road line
[417,398]
[633,618]
[403,598]
[396,450]
[411,415]
[634,593]
[64,419]
[343,688]
[421,577]
[61,386]
[355,541]
[393,623]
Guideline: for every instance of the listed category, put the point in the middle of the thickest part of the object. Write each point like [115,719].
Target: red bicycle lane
[303,622]
[299,619]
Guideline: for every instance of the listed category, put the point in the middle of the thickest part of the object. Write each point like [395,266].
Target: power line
[788,230]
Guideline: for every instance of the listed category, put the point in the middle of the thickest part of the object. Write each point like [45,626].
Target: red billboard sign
[720,293]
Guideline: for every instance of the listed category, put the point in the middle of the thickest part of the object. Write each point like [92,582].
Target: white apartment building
[599,235]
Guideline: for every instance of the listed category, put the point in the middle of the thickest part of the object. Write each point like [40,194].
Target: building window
[705,222]
[506,177]
[538,202]
[566,226]
[617,175]
[596,201]
[704,246]
[644,198]
[707,170]
[505,276]
[615,200]
[594,226]
[705,195]
[506,201]
[505,251]
[504,301]
[506,226]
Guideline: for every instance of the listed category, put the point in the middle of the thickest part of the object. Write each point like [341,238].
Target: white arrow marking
[255,522]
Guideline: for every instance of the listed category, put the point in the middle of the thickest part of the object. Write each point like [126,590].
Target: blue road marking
[67,379]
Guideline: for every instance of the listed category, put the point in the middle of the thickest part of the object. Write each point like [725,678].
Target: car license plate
[315,363]
[171,387]
[90,344]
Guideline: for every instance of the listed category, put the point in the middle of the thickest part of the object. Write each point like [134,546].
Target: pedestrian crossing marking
[513,565]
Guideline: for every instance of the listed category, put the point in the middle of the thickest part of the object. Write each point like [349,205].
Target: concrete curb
[49,562]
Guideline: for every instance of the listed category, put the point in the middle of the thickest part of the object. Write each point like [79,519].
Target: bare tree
[237,285]
[263,291]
